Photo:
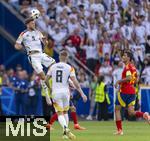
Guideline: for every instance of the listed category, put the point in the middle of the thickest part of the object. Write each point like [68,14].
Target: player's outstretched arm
[71,85]
[18,46]
[78,87]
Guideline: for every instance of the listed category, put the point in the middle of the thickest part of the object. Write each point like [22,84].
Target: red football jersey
[128,87]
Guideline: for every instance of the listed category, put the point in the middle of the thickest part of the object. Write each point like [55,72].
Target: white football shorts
[61,101]
[39,59]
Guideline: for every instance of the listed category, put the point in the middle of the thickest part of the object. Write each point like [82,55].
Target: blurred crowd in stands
[27,91]
[96,32]
[25,88]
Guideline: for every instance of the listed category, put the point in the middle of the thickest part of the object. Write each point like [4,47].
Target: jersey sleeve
[20,38]
[72,72]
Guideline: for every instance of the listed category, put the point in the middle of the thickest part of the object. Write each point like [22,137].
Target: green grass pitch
[103,131]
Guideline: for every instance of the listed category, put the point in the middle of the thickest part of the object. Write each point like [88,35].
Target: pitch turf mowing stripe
[103,131]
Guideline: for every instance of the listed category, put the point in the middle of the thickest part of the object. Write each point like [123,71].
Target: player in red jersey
[126,97]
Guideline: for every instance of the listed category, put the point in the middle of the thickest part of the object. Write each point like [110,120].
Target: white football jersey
[32,40]
[60,73]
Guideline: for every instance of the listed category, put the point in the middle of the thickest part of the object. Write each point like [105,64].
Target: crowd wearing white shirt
[111,26]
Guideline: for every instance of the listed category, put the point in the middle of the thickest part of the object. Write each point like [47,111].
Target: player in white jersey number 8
[60,73]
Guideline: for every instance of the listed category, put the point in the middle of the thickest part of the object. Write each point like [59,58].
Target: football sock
[53,118]
[62,121]
[66,118]
[138,114]
[74,117]
[119,125]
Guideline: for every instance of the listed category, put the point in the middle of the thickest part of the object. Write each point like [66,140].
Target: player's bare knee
[131,113]
[117,108]
[73,109]
[42,75]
